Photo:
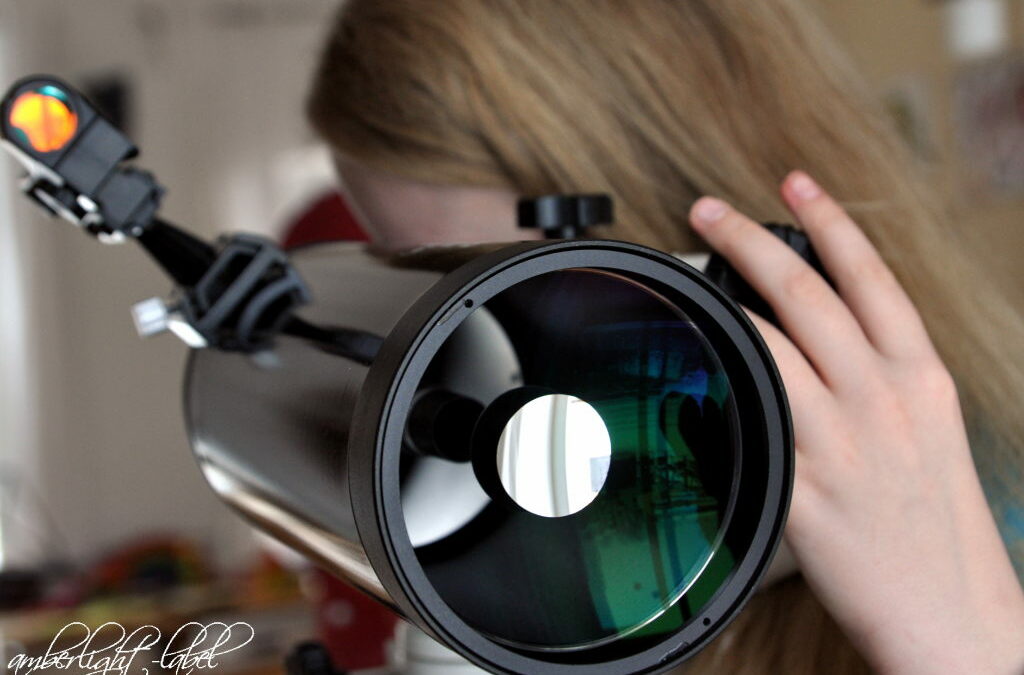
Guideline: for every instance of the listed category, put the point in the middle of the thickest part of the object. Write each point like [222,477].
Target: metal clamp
[239,304]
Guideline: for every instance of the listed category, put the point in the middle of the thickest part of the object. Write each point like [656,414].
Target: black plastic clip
[246,296]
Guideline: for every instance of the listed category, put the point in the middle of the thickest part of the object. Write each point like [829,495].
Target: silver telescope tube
[271,430]
[688,497]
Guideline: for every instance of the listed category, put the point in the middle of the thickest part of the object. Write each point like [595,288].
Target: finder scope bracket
[243,299]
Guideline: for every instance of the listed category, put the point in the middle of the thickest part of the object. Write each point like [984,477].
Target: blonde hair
[657,102]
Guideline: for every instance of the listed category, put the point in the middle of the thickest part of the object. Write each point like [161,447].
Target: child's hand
[888,521]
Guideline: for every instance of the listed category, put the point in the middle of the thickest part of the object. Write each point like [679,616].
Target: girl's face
[399,213]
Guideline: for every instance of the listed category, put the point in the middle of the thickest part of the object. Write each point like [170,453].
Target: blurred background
[98,489]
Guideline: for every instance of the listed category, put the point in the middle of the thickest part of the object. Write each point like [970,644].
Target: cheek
[399,213]
[394,212]
[370,203]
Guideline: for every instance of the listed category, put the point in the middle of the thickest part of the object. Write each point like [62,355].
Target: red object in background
[326,219]
[355,629]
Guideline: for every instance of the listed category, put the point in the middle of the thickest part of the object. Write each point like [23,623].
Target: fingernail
[803,186]
[708,209]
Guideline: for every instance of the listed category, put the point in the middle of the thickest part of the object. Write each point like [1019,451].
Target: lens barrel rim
[379,423]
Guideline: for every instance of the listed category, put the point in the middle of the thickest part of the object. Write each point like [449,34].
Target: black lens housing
[766,443]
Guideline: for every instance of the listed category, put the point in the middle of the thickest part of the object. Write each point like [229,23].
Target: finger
[867,285]
[808,309]
[810,402]
[793,366]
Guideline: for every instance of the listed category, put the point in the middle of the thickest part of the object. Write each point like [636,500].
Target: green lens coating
[648,552]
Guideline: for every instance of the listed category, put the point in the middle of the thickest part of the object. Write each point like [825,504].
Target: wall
[901,44]
[218,88]
[18,459]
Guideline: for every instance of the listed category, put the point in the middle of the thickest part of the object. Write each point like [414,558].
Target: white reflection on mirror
[553,455]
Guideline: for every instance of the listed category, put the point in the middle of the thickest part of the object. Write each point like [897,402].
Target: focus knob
[565,216]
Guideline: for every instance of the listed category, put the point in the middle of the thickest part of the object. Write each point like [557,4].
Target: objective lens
[646,551]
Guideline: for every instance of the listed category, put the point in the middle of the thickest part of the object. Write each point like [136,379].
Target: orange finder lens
[46,121]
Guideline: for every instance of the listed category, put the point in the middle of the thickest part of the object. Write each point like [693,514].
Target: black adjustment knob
[736,287]
[565,216]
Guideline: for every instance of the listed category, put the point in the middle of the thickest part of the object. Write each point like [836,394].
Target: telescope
[560,456]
